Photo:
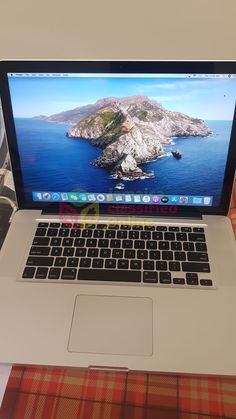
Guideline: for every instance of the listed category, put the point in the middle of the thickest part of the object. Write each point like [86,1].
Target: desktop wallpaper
[136,135]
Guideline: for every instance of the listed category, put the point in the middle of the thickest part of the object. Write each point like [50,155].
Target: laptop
[120,254]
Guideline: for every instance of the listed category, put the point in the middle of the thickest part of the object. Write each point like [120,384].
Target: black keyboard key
[161,265]
[56,251]
[105,253]
[90,226]
[117,253]
[161,228]
[107,275]
[192,281]
[122,234]
[197,256]
[28,272]
[127,244]
[41,273]
[157,235]
[60,261]
[67,242]
[164,246]
[110,263]
[39,261]
[165,277]
[145,235]
[186,229]
[155,254]
[102,226]
[42,224]
[52,232]
[55,225]
[148,265]
[78,225]
[123,264]
[64,232]
[167,255]
[80,252]
[191,275]
[55,241]
[68,251]
[85,262]
[87,232]
[173,228]
[198,229]
[129,254]
[79,242]
[75,232]
[135,264]
[137,227]
[196,237]
[139,244]
[115,244]
[41,241]
[66,225]
[179,281]
[39,251]
[174,266]
[97,263]
[176,246]
[125,227]
[91,242]
[181,237]
[72,262]
[200,247]
[149,228]
[188,246]
[54,273]
[103,243]
[151,244]
[92,253]
[68,273]
[40,232]
[110,234]
[113,226]
[195,267]
[98,234]
[169,236]
[180,256]
[133,234]
[142,254]
[206,282]
[150,277]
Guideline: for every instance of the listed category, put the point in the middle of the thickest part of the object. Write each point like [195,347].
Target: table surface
[77,393]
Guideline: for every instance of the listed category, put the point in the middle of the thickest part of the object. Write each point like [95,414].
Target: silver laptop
[121,254]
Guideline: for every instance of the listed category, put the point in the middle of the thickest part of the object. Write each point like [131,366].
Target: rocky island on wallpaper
[130,131]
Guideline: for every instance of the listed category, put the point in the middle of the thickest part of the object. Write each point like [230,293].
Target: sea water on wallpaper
[53,162]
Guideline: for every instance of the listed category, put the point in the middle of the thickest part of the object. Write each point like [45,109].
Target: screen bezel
[152,67]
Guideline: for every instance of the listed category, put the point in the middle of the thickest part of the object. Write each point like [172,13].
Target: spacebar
[109,275]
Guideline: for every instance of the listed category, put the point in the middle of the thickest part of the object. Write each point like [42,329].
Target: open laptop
[120,254]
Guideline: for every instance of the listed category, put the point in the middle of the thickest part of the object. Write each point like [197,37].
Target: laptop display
[123,138]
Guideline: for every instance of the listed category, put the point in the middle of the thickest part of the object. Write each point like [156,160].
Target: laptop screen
[126,138]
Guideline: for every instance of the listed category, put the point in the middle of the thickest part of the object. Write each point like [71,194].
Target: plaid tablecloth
[70,393]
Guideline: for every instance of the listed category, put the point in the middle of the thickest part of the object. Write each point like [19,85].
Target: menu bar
[122,75]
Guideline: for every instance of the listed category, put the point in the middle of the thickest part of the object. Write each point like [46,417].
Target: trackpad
[111,325]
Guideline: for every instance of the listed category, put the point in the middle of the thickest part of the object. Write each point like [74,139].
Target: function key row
[120,234]
[135,227]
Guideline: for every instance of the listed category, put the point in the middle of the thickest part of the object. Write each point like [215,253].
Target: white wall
[187,29]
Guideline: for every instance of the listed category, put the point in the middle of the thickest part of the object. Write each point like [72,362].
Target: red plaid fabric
[70,393]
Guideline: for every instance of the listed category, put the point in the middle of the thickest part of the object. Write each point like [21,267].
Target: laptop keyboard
[147,254]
